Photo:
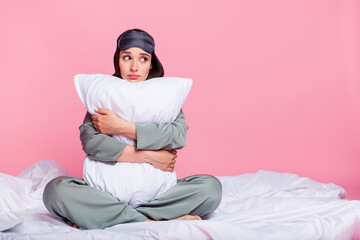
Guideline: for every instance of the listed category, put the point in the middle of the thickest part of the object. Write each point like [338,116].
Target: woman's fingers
[164,160]
[95,121]
[95,124]
[172,163]
[171,160]
[108,122]
[174,156]
[171,167]
[103,111]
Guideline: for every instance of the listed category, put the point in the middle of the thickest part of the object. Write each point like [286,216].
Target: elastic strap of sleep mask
[133,38]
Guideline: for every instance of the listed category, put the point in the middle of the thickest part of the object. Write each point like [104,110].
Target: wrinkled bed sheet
[264,205]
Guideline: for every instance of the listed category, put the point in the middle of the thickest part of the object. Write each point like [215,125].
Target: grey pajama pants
[72,199]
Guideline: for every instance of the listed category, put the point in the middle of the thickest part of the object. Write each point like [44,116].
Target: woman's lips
[133,76]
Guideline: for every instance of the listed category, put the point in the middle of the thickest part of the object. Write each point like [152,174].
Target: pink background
[276,83]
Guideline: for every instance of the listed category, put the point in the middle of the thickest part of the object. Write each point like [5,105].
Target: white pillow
[157,100]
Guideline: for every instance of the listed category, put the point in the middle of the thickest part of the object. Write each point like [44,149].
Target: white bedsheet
[265,205]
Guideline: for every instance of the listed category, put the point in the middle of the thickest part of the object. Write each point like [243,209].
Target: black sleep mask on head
[133,38]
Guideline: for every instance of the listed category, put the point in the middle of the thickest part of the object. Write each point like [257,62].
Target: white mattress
[265,205]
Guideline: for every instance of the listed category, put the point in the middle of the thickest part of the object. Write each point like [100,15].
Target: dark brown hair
[157,69]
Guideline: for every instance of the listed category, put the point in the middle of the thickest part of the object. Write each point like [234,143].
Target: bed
[262,205]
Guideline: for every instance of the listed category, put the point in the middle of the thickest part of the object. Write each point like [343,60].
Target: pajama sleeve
[166,136]
[149,136]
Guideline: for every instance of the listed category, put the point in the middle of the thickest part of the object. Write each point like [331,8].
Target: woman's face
[134,64]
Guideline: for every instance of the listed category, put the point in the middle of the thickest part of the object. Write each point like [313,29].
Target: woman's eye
[126,57]
[144,59]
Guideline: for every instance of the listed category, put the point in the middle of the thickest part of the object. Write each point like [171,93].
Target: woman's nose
[134,66]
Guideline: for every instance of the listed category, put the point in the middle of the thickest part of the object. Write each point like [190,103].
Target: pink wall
[276,83]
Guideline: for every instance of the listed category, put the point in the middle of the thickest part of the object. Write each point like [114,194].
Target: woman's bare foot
[74,225]
[187,217]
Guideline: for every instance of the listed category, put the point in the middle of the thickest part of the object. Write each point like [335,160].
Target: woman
[73,200]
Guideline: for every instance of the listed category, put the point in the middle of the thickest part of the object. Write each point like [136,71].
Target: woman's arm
[161,159]
[107,149]
[149,136]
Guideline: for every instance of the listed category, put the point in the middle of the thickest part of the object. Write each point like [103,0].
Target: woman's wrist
[127,129]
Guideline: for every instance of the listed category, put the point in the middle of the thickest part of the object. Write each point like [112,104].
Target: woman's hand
[108,122]
[162,159]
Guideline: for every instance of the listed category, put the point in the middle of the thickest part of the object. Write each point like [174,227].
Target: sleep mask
[133,38]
